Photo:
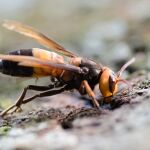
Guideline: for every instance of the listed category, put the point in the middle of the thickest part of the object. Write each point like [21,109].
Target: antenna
[125,66]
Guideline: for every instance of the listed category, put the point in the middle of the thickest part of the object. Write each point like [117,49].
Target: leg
[32,87]
[91,94]
[20,100]
[44,94]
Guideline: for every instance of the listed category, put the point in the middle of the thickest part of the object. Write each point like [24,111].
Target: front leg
[90,93]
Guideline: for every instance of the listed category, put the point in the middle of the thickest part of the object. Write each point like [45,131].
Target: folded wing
[30,61]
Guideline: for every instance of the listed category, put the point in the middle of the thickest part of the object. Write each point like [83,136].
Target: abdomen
[13,69]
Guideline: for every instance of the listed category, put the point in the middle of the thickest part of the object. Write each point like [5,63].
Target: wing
[30,61]
[39,37]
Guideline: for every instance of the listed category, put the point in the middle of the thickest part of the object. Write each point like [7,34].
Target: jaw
[108,100]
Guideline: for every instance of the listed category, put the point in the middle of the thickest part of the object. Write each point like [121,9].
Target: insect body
[77,73]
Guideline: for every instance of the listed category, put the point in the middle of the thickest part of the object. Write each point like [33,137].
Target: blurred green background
[109,31]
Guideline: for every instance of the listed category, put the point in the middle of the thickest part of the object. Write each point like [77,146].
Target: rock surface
[123,126]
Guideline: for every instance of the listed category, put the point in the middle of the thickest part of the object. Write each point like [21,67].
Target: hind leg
[20,101]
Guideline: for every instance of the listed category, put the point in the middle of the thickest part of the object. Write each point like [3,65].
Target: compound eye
[112,83]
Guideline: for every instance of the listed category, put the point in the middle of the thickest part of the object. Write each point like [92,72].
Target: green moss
[4,130]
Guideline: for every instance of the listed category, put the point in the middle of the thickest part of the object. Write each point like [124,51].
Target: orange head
[108,80]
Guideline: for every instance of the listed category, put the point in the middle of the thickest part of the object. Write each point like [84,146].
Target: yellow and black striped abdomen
[13,69]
